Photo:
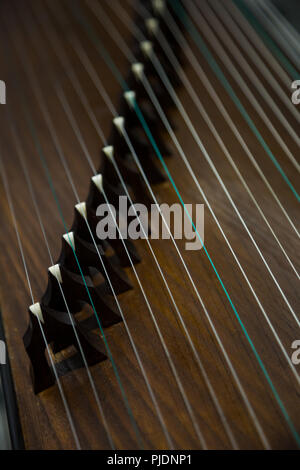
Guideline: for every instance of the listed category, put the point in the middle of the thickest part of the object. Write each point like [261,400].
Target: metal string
[274,27]
[218,27]
[251,36]
[243,42]
[196,355]
[167,125]
[23,163]
[200,73]
[44,163]
[193,31]
[175,63]
[74,125]
[181,388]
[167,353]
[171,363]
[189,124]
[257,425]
[67,64]
[111,64]
[199,105]
[60,388]
[267,39]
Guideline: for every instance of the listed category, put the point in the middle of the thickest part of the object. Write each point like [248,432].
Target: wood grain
[43,418]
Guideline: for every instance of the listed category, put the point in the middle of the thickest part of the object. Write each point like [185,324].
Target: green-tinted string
[277,52]
[109,61]
[50,181]
[276,395]
[181,13]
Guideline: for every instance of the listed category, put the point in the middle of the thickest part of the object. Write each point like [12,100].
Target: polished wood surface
[43,419]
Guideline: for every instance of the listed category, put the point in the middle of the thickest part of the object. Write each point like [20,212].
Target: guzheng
[149,160]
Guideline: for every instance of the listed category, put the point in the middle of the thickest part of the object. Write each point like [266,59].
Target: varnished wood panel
[43,418]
